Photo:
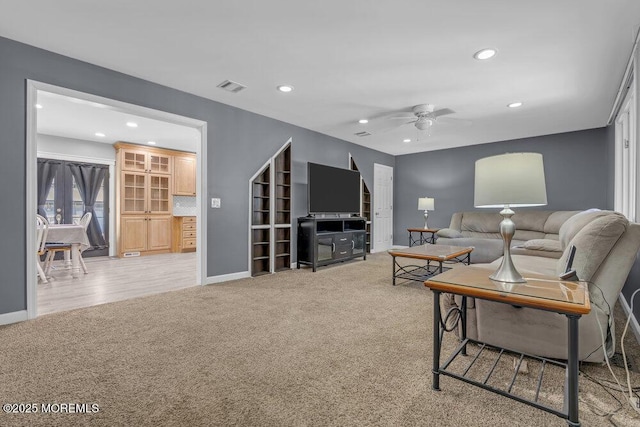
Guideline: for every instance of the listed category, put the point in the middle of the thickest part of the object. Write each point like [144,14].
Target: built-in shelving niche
[365,204]
[270,234]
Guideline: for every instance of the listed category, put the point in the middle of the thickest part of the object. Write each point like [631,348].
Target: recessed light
[151,142]
[485,54]
[515,105]
[285,88]
[132,124]
[100,134]
[406,140]
[38,106]
[363,121]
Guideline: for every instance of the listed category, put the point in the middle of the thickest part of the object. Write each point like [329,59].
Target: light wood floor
[115,279]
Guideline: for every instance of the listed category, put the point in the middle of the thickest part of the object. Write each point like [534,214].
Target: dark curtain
[46,172]
[89,180]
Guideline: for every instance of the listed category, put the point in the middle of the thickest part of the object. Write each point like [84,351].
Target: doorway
[198,126]
[382,207]
[67,190]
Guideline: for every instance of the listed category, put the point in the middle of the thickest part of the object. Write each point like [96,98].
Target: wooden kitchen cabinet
[145,195]
[141,159]
[184,234]
[145,234]
[184,175]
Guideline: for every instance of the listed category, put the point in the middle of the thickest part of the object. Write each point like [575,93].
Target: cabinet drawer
[342,251]
[189,226]
[188,234]
[342,239]
[188,243]
[188,219]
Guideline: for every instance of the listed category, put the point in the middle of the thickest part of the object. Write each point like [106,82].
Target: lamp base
[507,271]
[426,214]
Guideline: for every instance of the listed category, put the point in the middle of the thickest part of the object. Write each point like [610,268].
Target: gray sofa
[606,248]
[537,233]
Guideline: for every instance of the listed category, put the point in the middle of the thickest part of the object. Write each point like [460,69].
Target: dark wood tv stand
[324,241]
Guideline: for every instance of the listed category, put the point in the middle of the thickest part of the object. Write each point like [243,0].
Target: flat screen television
[332,190]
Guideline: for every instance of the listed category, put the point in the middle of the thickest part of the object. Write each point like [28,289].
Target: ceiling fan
[425,116]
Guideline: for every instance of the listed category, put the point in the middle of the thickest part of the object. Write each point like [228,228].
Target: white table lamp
[426,204]
[509,180]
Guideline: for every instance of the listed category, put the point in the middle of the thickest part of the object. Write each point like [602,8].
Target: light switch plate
[215,202]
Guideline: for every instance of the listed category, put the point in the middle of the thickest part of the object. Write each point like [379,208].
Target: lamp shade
[514,179]
[426,204]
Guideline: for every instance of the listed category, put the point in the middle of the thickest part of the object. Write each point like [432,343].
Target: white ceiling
[352,59]
[80,119]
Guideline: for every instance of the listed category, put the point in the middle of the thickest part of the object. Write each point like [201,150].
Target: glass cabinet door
[133,193]
[325,248]
[159,163]
[159,194]
[359,242]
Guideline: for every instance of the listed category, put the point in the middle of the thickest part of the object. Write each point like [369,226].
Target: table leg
[67,259]
[410,242]
[75,260]
[572,367]
[463,319]
[436,340]
[393,270]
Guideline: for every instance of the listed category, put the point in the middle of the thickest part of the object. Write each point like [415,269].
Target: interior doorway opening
[104,264]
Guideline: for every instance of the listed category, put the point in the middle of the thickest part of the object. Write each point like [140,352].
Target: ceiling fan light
[485,54]
[424,124]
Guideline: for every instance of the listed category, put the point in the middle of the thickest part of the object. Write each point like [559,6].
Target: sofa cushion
[530,220]
[449,233]
[555,221]
[593,243]
[481,222]
[574,224]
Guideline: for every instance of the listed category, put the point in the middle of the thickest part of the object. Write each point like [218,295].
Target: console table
[324,241]
[421,239]
[540,292]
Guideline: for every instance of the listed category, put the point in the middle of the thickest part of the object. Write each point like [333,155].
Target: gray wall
[574,170]
[239,142]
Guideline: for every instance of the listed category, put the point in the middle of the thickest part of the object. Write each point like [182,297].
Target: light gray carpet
[338,347]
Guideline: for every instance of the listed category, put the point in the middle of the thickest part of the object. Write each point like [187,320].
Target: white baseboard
[294,265]
[635,326]
[226,277]
[14,317]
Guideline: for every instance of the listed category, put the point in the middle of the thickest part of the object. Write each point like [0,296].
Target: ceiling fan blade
[442,112]
[401,117]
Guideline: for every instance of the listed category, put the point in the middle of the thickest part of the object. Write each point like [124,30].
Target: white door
[382,207]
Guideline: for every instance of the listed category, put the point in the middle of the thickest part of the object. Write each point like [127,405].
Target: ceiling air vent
[231,86]
[363,133]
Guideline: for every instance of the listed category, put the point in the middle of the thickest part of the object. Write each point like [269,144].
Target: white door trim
[31,179]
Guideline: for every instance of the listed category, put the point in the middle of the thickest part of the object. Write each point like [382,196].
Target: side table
[423,236]
[539,292]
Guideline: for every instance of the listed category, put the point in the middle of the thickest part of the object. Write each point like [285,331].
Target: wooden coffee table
[540,292]
[434,255]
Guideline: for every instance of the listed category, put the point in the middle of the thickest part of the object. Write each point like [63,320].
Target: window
[626,157]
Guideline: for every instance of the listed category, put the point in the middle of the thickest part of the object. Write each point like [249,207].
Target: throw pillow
[450,233]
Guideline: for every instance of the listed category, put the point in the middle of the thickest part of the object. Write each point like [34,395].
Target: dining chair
[42,228]
[53,248]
